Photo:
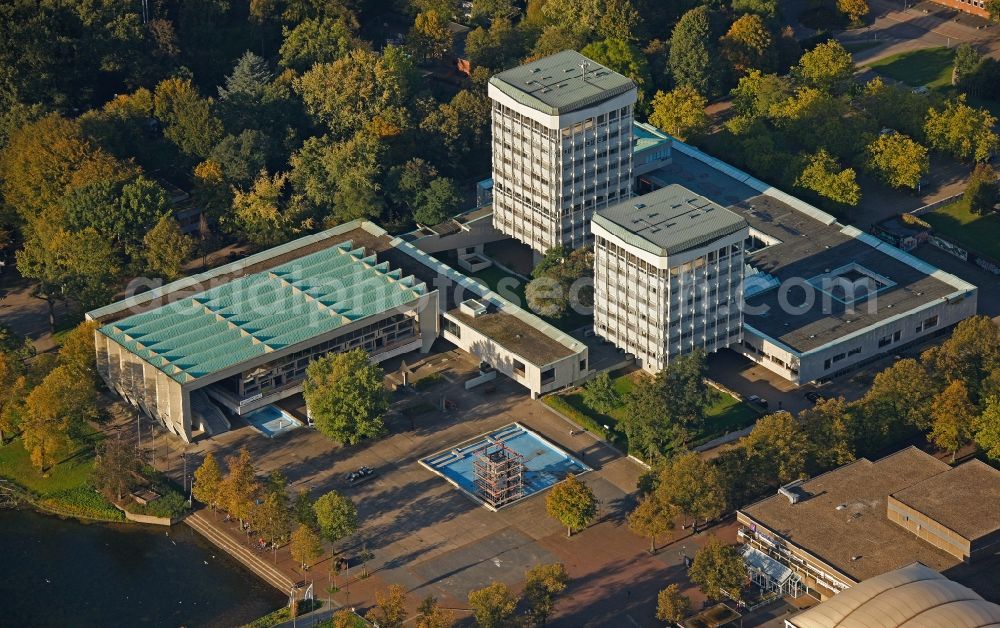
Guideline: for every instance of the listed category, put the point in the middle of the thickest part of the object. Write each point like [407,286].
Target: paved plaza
[424,534]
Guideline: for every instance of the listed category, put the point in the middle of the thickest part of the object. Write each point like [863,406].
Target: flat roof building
[820,297]
[239,337]
[846,526]
[668,269]
[562,147]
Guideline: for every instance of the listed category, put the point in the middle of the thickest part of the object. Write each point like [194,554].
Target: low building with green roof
[237,338]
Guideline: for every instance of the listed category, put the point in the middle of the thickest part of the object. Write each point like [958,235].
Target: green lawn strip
[724,414]
[65,488]
[980,234]
[927,66]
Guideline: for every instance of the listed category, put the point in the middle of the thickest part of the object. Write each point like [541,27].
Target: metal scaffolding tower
[499,473]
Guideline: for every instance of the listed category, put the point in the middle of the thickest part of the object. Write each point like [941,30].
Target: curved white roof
[914,596]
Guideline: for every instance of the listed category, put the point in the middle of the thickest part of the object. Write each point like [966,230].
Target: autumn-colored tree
[166,248]
[267,214]
[493,606]
[188,118]
[832,432]
[429,38]
[56,414]
[898,160]
[962,131]
[572,503]
[718,568]
[900,394]
[240,487]
[693,486]
[13,389]
[827,66]
[207,486]
[431,615]
[778,448]
[77,352]
[306,547]
[749,45]
[672,605]
[541,586]
[987,429]
[952,418]
[652,518]
[272,518]
[982,193]
[680,112]
[853,9]
[970,354]
[390,607]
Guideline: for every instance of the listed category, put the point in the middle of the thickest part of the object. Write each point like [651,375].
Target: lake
[64,573]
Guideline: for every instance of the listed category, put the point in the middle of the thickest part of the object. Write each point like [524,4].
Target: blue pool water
[544,463]
[271,421]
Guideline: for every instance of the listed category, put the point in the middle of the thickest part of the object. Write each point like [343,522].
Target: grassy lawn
[928,66]
[15,465]
[513,290]
[979,233]
[724,413]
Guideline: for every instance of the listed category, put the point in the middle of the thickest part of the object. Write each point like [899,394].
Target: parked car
[356,476]
[814,396]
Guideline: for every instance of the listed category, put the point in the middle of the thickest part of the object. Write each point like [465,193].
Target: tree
[853,9]
[346,396]
[982,193]
[895,107]
[757,93]
[683,384]
[572,503]
[961,131]
[546,296]
[823,176]
[77,351]
[680,112]
[390,607]
[239,489]
[767,9]
[267,214]
[993,10]
[429,37]
[691,53]
[541,586]
[622,57]
[898,160]
[672,605]
[342,178]
[987,429]
[166,248]
[600,395]
[350,92]
[241,157]
[116,468]
[499,46]
[970,354]
[952,418]
[652,518]
[749,45]
[273,519]
[306,547]
[651,430]
[825,67]
[302,509]
[900,394]
[718,568]
[692,486]
[831,429]
[13,389]
[493,606]
[55,415]
[207,485]
[779,447]
[438,202]
[316,40]
[431,615]
[248,81]
[336,516]
[188,119]
[967,60]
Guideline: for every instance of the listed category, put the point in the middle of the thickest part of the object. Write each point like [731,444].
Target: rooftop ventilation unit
[473,308]
[793,491]
[640,205]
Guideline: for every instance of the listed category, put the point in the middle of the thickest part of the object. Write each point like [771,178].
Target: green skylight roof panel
[280,307]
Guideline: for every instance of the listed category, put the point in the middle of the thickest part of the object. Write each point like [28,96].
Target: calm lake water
[64,573]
